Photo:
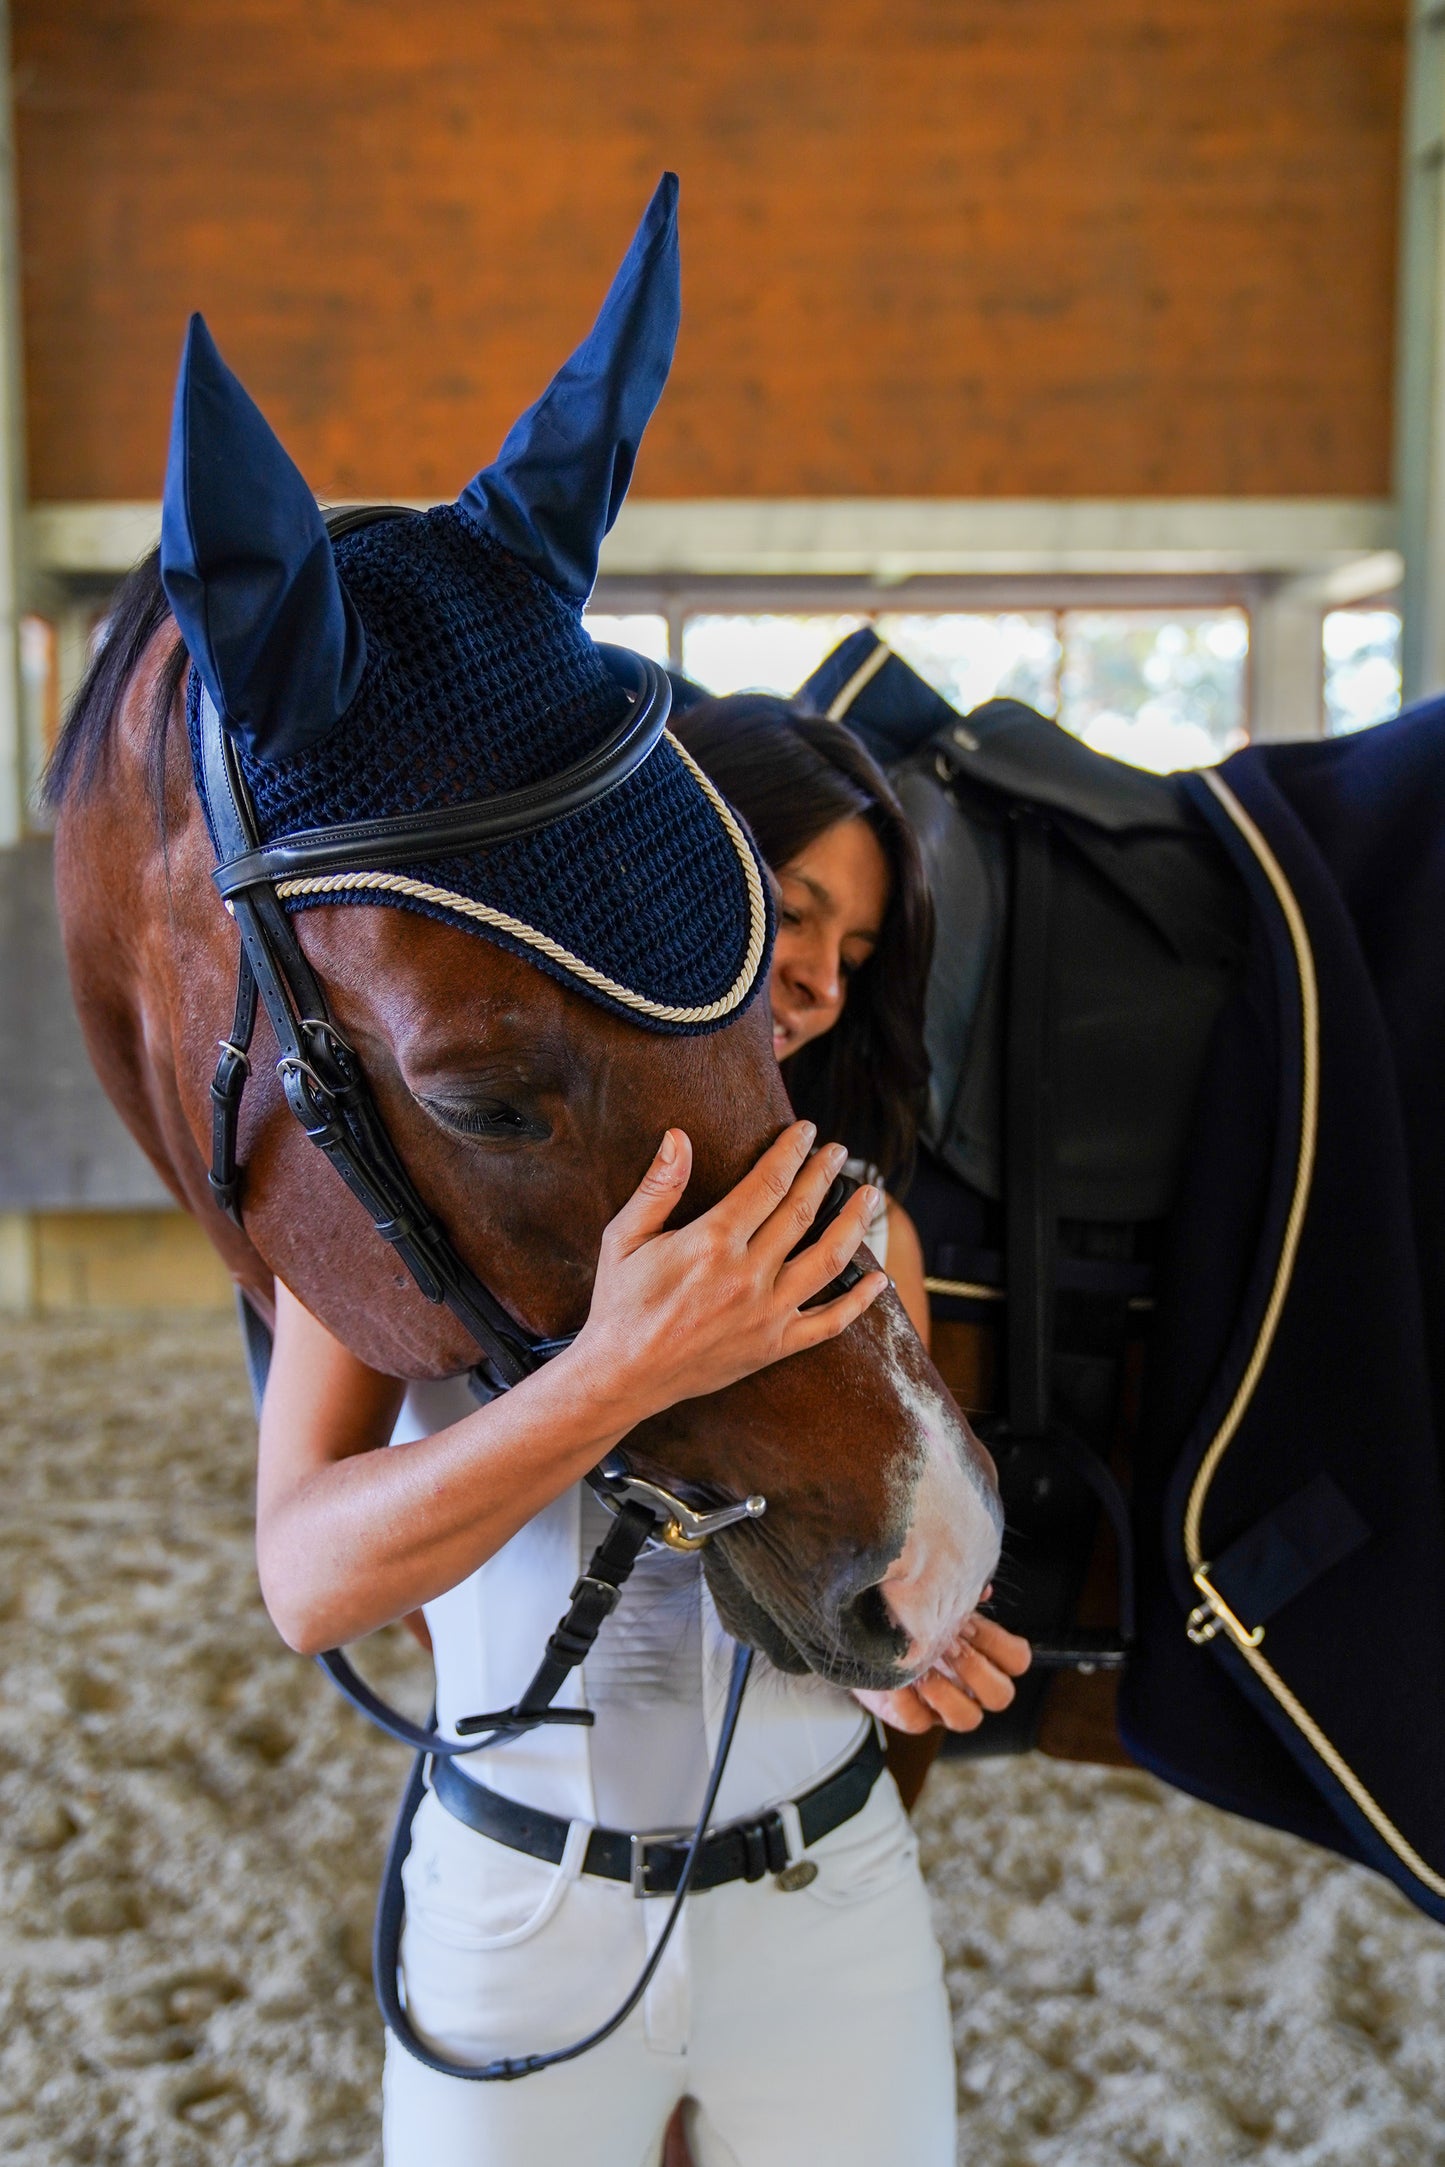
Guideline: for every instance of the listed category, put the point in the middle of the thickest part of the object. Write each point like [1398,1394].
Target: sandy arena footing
[193,1822]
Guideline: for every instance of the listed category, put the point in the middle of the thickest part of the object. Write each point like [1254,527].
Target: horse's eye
[492,1119]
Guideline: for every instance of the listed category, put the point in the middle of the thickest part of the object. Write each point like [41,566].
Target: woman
[787,2021]
[855,934]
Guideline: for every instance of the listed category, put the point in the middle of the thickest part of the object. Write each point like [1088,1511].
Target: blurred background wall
[1086,346]
[933,248]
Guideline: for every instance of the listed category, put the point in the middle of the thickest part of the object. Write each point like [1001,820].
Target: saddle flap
[1004,745]
[1133,994]
[1148,926]
[1008,747]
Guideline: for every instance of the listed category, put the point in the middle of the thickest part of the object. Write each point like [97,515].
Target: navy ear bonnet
[426,661]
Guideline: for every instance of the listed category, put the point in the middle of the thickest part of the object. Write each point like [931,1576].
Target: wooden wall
[931,247]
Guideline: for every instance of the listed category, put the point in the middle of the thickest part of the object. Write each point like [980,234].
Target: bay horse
[523,1109]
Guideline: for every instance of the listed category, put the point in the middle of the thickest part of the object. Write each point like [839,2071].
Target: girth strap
[1080,1647]
[1031,1234]
[1030,1229]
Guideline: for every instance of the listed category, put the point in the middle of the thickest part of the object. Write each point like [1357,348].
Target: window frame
[678,599]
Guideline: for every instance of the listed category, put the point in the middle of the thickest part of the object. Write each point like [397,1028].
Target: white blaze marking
[952,1547]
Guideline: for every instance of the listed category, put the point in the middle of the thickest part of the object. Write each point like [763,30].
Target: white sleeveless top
[657,1677]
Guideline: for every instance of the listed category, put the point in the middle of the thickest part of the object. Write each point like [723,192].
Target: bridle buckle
[680,1526]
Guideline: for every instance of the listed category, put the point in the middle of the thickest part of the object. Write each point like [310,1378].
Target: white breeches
[803,2025]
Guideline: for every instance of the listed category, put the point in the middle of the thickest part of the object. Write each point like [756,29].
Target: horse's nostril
[869,1619]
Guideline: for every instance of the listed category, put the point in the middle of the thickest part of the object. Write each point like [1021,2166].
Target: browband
[406,837]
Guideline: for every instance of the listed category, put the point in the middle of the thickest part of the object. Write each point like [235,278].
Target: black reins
[327,1090]
[594,1597]
[386,1944]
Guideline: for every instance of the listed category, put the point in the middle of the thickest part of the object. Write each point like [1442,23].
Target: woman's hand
[973,1679]
[676,1315]
[349,1537]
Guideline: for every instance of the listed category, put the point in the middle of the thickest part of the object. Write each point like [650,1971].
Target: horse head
[529,1016]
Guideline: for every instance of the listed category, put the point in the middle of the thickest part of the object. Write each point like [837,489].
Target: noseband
[327,1090]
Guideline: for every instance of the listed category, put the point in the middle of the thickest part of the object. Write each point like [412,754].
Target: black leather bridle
[327,1090]
[324,1083]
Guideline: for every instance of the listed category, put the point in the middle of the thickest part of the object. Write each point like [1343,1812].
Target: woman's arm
[349,1538]
[905,1268]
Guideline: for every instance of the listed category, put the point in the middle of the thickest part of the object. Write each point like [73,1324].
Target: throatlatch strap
[1031,1234]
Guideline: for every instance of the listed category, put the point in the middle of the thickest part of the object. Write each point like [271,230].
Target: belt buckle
[638,1856]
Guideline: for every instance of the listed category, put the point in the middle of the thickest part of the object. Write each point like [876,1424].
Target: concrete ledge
[62,1145]
[900,538]
[888,538]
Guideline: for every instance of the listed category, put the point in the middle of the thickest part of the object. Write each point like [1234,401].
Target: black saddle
[1089,931]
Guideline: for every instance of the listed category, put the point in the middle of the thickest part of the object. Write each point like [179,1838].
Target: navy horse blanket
[1290,1661]
[1281,1126]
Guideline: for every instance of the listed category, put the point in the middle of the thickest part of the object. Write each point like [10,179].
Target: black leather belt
[740,1851]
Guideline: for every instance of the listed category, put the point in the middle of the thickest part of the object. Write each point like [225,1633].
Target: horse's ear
[558,482]
[248,569]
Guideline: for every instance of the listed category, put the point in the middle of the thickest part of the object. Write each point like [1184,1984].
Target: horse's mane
[138,611]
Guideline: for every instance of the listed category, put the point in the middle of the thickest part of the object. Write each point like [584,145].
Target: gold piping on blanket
[864,674]
[965,1290]
[979,1290]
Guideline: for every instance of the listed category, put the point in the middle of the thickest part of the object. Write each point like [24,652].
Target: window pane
[645,635]
[970,659]
[759,654]
[1362,668]
[1161,689]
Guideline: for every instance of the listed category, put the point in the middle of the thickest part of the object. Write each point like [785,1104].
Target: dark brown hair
[792,776]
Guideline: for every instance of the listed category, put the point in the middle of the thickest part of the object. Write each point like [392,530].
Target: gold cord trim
[978,1290]
[503,922]
[1304,1163]
[1343,1774]
[1264,1670]
[863,675]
